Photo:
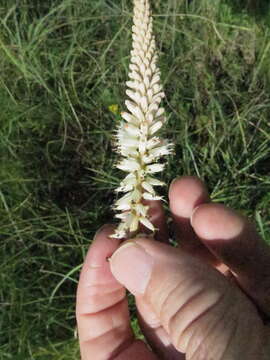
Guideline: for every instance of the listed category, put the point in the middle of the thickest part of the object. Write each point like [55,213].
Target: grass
[63,65]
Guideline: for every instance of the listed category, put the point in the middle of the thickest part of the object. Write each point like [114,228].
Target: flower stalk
[136,138]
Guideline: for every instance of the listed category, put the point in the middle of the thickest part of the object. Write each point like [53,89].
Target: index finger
[101,309]
[185,194]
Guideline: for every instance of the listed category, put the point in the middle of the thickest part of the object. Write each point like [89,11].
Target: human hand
[206,299]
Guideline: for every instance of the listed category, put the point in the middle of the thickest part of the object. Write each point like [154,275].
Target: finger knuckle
[185,305]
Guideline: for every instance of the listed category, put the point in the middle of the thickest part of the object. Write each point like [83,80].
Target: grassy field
[63,66]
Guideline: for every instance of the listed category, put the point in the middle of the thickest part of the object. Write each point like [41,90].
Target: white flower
[154,168]
[148,196]
[129,165]
[134,223]
[160,151]
[147,223]
[155,127]
[153,142]
[124,203]
[154,182]
[148,187]
[130,118]
[141,209]
[136,138]
[135,110]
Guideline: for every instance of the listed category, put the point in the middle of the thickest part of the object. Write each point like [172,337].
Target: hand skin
[204,300]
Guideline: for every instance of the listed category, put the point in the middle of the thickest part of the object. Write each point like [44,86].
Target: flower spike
[136,139]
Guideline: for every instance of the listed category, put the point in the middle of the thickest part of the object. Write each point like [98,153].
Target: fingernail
[171,185]
[192,214]
[174,180]
[102,229]
[132,266]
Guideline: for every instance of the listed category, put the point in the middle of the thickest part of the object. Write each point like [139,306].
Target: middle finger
[185,194]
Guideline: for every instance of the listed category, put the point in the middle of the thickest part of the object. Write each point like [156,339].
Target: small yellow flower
[114,108]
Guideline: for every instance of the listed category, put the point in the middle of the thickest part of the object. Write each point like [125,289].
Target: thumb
[205,315]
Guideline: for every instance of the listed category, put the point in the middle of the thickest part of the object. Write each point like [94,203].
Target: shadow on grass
[259,9]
